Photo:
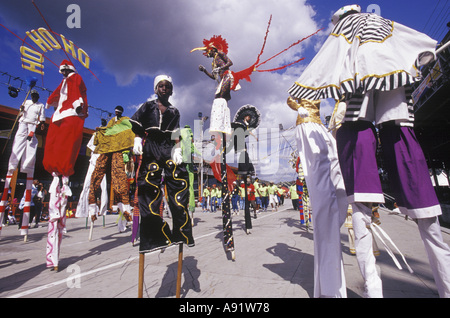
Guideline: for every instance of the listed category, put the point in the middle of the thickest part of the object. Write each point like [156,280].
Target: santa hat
[66,65]
[339,14]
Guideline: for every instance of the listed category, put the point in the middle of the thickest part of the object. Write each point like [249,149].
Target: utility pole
[202,121]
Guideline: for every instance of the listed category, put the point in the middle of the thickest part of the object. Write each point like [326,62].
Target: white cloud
[135,40]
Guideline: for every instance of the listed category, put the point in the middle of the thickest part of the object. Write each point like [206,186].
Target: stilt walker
[158,122]
[370,63]
[246,119]
[324,193]
[113,143]
[188,149]
[217,48]
[64,138]
[24,148]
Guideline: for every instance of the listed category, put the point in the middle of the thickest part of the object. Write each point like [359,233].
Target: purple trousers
[404,162]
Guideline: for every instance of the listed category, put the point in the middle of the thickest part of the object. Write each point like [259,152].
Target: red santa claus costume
[64,137]
[65,132]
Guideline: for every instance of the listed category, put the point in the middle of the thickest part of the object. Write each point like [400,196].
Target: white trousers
[23,149]
[438,253]
[328,199]
[83,202]
[57,218]
[361,219]
[54,239]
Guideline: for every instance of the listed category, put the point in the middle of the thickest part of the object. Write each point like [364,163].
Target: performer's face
[66,72]
[211,52]
[164,89]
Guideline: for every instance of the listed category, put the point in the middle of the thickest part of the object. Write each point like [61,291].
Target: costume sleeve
[42,114]
[82,90]
[53,99]
[292,103]
[136,122]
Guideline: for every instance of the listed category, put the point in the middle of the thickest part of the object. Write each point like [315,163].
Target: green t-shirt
[263,191]
[293,191]
[272,189]
[256,185]
[242,192]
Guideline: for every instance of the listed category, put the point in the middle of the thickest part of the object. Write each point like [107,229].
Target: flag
[217,171]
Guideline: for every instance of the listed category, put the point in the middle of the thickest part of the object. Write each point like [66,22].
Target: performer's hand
[137,149]
[202,68]
[177,156]
[302,112]
[30,135]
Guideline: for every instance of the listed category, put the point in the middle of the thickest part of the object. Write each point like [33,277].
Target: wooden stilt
[180,269]
[141,275]
[14,183]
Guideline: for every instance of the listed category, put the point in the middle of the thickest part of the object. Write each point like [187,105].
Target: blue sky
[130,42]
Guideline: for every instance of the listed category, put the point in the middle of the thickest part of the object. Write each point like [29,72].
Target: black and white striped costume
[364,52]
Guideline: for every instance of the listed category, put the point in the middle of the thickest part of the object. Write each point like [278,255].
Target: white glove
[177,157]
[302,112]
[137,148]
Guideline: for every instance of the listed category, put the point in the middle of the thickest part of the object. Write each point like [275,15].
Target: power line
[426,24]
[441,22]
[438,16]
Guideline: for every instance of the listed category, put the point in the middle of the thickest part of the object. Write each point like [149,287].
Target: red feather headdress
[221,45]
[216,42]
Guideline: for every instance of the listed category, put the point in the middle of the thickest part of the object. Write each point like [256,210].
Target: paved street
[274,261]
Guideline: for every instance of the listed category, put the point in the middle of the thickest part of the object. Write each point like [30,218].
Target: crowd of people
[262,196]
[38,196]
[370,67]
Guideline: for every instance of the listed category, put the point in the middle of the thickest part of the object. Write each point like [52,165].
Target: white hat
[160,78]
[339,13]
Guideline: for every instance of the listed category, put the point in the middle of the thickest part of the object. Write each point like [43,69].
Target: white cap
[160,78]
[339,13]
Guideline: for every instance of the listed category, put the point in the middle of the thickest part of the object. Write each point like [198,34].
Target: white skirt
[220,117]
